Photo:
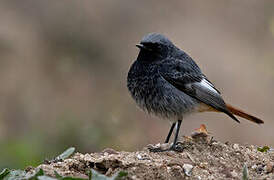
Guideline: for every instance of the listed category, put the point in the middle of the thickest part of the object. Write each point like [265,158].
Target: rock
[156,147]
[187,169]
[234,174]
[269,167]
[203,165]
[260,169]
[142,156]
[109,151]
[254,167]
[139,157]
[198,160]
[236,147]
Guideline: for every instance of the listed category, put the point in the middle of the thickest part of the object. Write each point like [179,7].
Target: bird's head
[154,47]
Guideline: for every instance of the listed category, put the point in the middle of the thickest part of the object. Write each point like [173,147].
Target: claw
[178,147]
[158,149]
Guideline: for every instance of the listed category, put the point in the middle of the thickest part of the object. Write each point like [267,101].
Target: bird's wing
[211,84]
[188,78]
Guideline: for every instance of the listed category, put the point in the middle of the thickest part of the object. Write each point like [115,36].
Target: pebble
[187,169]
[203,164]
[254,167]
[269,167]
[259,169]
[109,151]
[236,147]
[139,157]
[234,174]
[205,171]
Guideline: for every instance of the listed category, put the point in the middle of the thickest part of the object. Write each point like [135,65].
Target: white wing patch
[205,83]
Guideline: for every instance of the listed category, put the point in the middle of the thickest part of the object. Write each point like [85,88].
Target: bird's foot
[158,147]
[178,147]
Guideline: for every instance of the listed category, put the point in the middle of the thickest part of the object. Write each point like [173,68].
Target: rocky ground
[200,157]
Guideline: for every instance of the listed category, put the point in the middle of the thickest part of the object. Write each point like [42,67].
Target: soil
[199,157]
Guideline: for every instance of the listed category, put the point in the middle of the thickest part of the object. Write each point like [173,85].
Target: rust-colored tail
[242,114]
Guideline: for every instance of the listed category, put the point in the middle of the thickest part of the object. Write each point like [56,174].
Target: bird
[165,81]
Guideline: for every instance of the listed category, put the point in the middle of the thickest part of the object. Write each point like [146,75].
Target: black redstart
[165,81]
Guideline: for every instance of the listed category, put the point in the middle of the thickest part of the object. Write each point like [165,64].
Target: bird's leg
[173,147]
[178,125]
[170,132]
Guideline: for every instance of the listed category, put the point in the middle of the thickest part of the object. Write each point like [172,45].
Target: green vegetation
[39,175]
[7,174]
[263,149]
[245,172]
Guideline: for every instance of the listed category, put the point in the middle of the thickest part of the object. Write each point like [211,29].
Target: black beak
[140,46]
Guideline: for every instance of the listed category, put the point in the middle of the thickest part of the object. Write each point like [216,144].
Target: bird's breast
[155,95]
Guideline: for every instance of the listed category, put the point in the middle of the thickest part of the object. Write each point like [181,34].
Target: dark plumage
[165,81]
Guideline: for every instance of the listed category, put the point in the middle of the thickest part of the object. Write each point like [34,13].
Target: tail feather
[242,114]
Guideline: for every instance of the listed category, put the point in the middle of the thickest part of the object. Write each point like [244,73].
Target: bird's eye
[151,45]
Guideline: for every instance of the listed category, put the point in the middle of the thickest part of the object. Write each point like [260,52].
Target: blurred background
[63,69]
